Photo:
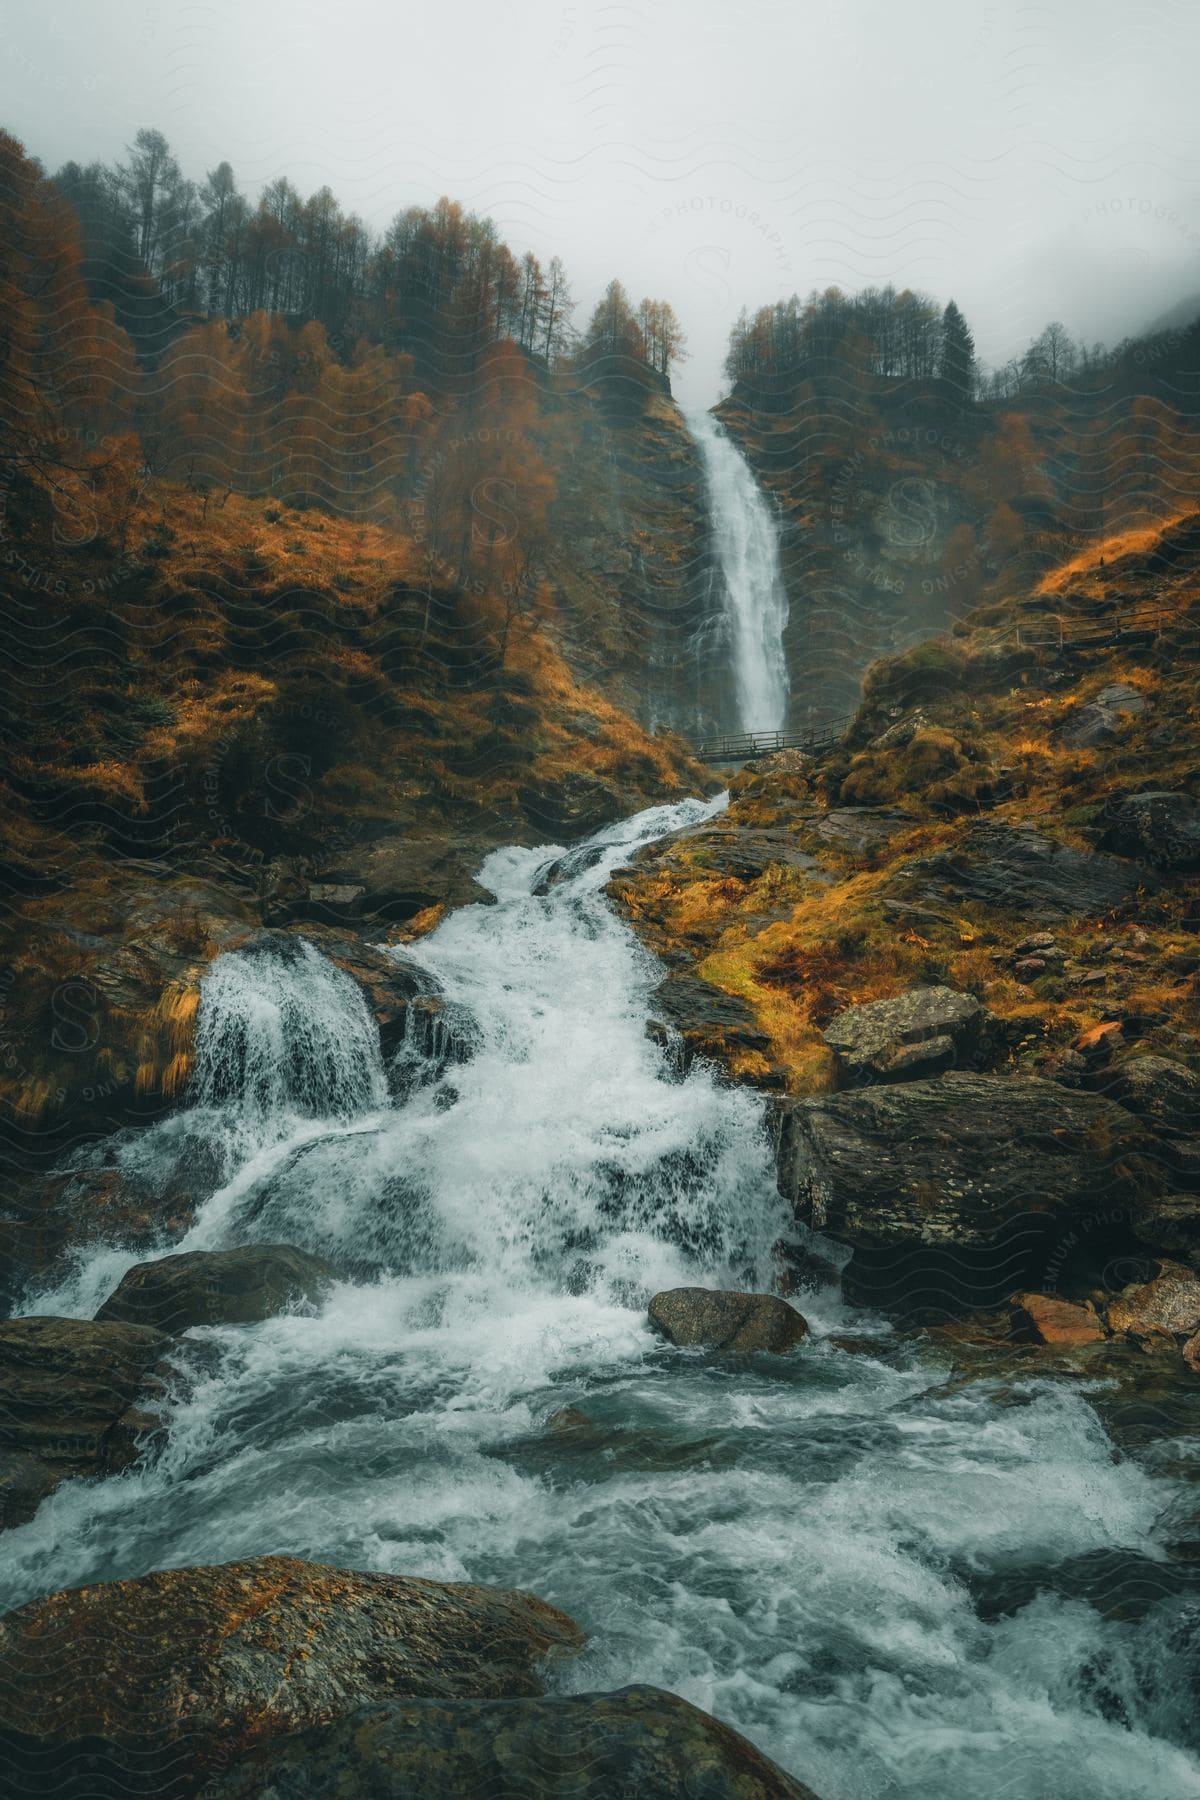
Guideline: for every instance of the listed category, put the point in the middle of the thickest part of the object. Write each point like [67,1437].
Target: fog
[1032,163]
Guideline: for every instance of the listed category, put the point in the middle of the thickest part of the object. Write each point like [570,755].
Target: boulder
[726,1321]
[952,1192]
[1097,721]
[707,1021]
[1169,1303]
[24,1483]
[919,1033]
[68,1393]
[637,1741]
[1022,871]
[217,1287]
[1048,1320]
[54,1211]
[1171,1223]
[572,805]
[399,875]
[1164,1093]
[160,1682]
[1160,826]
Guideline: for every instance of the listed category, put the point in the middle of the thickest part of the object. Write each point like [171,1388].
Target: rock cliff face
[633,566]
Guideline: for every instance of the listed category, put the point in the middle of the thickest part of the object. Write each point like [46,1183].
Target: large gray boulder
[217,1287]
[637,1741]
[722,1320]
[156,1685]
[955,1192]
[951,1160]
[917,1034]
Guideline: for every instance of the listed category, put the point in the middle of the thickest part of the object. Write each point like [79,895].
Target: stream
[869,1568]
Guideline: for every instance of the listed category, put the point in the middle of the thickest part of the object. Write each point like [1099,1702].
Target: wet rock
[705,1020]
[953,1191]
[1164,1093]
[51,1213]
[1022,871]
[1097,722]
[1048,1320]
[747,854]
[400,875]
[24,1483]
[1169,1303]
[727,1321]
[638,1740]
[916,1034]
[1160,826]
[217,1287]
[106,1046]
[165,1680]
[73,1394]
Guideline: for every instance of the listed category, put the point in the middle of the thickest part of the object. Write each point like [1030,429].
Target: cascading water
[884,1577]
[747,548]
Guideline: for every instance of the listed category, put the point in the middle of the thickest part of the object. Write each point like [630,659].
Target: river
[864,1565]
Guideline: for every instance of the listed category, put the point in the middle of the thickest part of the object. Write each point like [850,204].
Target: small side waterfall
[747,546]
[282,1031]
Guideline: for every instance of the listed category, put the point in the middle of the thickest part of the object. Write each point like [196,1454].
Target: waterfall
[747,547]
[282,1031]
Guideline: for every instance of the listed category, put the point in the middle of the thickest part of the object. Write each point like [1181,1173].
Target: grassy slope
[798,948]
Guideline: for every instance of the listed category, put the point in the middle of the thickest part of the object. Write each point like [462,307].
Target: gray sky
[1034,162]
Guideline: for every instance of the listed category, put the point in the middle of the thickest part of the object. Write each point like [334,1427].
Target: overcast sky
[1033,162]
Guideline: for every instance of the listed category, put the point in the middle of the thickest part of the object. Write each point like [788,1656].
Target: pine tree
[958,353]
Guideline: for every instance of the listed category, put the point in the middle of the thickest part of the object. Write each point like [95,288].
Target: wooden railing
[1050,633]
[742,746]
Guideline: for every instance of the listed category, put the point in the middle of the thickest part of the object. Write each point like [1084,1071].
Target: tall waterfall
[747,546]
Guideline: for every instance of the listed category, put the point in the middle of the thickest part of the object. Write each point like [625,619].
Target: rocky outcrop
[917,1034]
[100,998]
[638,1741]
[1098,721]
[217,1287]
[165,1680]
[73,1398]
[1164,1093]
[959,1188]
[695,1018]
[1022,871]
[393,878]
[722,1320]
[1161,827]
[566,807]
